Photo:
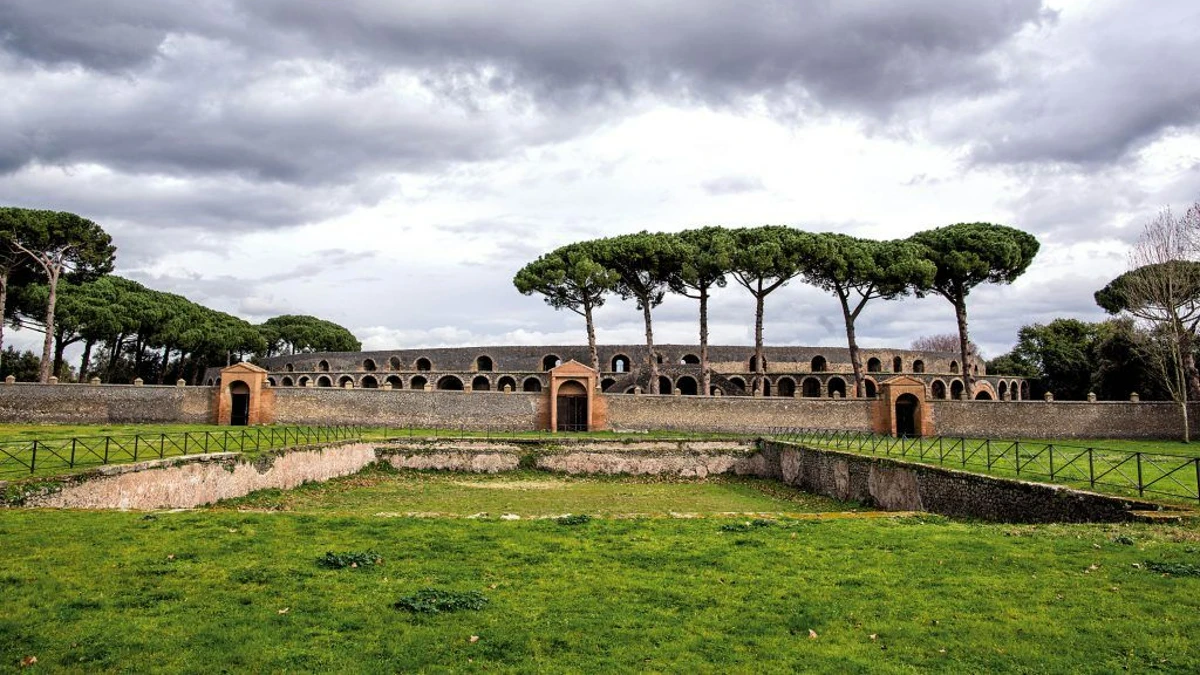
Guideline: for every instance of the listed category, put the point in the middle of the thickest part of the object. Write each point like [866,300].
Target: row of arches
[443,383]
[483,364]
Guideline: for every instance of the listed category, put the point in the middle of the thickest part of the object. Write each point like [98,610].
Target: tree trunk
[44,368]
[86,361]
[852,342]
[162,371]
[113,357]
[705,375]
[758,340]
[3,303]
[651,357]
[591,336]
[960,312]
[60,345]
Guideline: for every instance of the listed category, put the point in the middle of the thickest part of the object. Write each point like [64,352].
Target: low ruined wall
[1058,419]
[105,404]
[403,408]
[201,479]
[900,486]
[466,456]
[734,413]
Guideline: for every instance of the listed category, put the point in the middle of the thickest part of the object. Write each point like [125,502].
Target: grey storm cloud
[1122,77]
[183,87]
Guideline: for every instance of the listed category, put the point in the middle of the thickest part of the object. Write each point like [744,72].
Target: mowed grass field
[238,587]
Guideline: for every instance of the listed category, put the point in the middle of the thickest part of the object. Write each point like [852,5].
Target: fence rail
[1143,473]
[47,455]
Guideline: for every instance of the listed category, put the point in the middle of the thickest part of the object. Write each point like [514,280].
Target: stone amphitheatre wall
[1058,419]
[104,404]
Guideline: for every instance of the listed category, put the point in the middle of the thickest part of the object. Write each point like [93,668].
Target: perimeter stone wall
[734,413]
[425,409]
[1059,419]
[105,404]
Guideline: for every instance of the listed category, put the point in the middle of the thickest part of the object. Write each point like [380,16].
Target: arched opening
[869,389]
[954,367]
[481,383]
[506,381]
[271,382]
[531,384]
[897,365]
[659,358]
[739,383]
[303,381]
[687,385]
[484,364]
[324,381]
[810,388]
[606,383]
[449,383]
[572,405]
[620,363]
[983,395]
[394,363]
[424,365]
[818,364]
[938,390]
[368,382]
[1002,389]
[289,368]
[287,381]
[664,385]
[418,382]
[874,365]
[918,366]
[766,387]
[975,369]
[345,380]
[239,397]
[785,387]
[837,387]
[209,382]
[689,360]
[907,407]
[754,364]
[369,365]
[1024,390]
[395,381]
[631,390]
[323,367]
[956,390]
[550,362]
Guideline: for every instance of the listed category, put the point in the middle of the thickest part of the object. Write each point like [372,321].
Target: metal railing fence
[1143,473]
[47,455]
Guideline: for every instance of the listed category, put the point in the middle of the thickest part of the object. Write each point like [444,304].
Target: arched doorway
[664,385]
[239,396]
[418,382]
[480,383]
[837,387]
[907,408]
[572,407]
[531,384]
[506,381]
[811,388]
[869,389]
[687,385]
[786,387]
[368,382]
[449,383]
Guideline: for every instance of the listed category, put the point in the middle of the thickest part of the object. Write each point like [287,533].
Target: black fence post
[1092,469]
[106,440]
[136,439]
[33,458]
[1139,467]
[73,441]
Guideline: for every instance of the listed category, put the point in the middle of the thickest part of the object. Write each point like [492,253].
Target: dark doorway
[572,407]
[906,415]
[239,412]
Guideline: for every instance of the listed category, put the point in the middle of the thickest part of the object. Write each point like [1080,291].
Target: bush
[438,601]
[575,519]
[746,527]
[352,559]
[1175,569]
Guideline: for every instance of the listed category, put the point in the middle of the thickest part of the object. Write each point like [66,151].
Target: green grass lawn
[532,494]
[222,590]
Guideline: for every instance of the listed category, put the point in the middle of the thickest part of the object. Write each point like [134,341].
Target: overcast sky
[389,166]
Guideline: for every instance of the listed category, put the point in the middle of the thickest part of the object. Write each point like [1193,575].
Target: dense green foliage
[642,267]
[571,279]
[970,254]
[297,333]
